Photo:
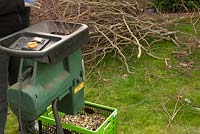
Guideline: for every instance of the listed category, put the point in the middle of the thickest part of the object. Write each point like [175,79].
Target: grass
[146,100]
[11,124]
[142,97]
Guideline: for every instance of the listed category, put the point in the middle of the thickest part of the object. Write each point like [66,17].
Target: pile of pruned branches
[114,24]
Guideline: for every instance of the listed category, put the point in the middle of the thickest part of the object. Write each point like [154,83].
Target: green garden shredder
[50,71]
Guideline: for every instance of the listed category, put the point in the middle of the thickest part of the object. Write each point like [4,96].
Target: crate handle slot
[108,124]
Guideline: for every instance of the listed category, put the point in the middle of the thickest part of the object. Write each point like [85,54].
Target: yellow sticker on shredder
[79,87]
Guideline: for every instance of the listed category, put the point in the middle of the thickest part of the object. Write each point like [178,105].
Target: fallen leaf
[187,100]
[124,76]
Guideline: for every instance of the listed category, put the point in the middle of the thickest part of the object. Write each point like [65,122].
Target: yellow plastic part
[32,44]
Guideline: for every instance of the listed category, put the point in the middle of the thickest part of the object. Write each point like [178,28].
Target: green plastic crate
[109,126]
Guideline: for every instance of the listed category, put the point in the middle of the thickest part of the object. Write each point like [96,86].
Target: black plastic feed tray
[54,40]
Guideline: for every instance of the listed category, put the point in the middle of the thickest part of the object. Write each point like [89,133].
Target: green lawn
[151,100]
[147,98]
